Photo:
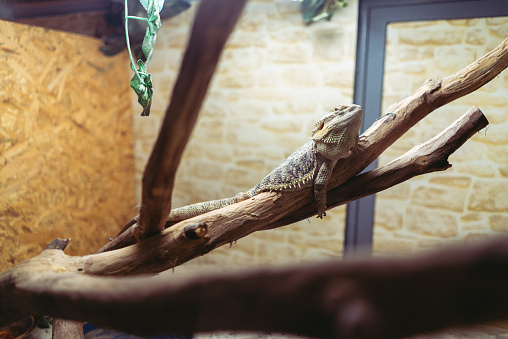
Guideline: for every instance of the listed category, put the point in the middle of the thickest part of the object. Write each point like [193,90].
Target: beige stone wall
[276,76]
[470,200]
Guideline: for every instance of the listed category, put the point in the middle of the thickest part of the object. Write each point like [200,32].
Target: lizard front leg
[324,171]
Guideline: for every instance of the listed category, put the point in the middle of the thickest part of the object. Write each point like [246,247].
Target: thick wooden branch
[343,299]
[233,222]
[270,210]
[213,23]
[174,246]
[377,138]
[424,158]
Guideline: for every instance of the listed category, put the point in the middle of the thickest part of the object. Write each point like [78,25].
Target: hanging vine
[315,10]
[141,82]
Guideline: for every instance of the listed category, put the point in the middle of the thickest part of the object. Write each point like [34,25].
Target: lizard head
[336,122]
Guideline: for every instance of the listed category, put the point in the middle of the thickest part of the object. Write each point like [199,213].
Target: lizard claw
[321,214]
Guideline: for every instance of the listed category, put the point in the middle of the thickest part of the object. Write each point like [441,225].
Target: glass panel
[470,200]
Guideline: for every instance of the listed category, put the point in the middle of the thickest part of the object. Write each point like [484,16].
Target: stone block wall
[469,201]
[275,78]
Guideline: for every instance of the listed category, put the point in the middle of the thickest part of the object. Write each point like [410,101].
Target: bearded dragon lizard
[335,136]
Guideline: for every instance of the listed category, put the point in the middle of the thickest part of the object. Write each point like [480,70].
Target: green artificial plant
[141,82]
[315,10]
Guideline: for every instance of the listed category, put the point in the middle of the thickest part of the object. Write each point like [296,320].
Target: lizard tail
[186,212]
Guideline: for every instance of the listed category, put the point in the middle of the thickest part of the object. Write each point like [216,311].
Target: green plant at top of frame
[141,82]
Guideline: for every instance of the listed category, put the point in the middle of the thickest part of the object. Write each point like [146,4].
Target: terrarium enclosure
[73,146]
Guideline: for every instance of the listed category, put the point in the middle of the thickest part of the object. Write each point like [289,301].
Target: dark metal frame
[373,18]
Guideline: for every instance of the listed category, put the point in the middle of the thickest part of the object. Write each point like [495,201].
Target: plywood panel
[66,161]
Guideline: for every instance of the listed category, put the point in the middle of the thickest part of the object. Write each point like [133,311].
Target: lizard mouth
[341,115]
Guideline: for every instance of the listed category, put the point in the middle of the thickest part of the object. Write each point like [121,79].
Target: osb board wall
[66,161]
[275,77]
[88,23]
[469,201]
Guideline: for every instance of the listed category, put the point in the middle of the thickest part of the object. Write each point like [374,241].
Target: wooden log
[173,247]
[386,298]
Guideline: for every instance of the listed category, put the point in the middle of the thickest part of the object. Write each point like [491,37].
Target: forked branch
[268,210]
[263,210]
[376,139]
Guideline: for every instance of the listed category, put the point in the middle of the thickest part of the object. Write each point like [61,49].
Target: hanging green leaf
[141,83]
[158,4]
[154,23]
[315,10]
